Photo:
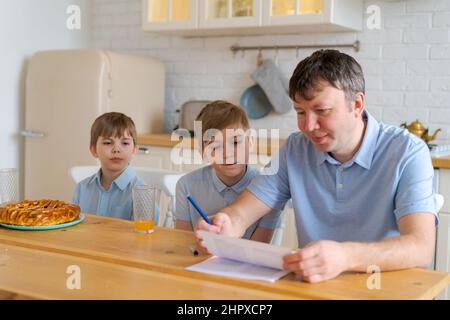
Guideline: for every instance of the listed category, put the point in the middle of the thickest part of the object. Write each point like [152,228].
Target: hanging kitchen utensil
[259,58]
[275,86]
[255,102]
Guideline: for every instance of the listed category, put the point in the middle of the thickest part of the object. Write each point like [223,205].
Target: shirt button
[341,169]
[341,186]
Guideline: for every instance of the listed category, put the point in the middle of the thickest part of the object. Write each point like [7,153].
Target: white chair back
[166,180]
[439,201]
[79,173]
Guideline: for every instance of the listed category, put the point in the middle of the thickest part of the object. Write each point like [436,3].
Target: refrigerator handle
[32,134]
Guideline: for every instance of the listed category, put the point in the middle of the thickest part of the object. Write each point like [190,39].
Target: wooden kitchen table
[116,263]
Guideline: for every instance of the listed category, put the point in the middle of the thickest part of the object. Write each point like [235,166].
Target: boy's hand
[221,225]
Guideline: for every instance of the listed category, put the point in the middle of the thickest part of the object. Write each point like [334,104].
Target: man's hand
[318,261]
[221,224]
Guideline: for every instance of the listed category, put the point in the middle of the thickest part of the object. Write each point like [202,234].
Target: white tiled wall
[406,61]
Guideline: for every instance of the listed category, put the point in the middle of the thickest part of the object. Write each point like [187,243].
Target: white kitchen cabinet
[160,15]
[185,159]
[155,157]
[443,232]
[176,159]
[251,17]
[322,15]
[181,160]
[289,239]
[216,14]
[443,249]
[444,188]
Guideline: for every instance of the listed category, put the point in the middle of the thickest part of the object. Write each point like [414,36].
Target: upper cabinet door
[282,12]
[230,13]
[320,15]
[247,17]
[170,14]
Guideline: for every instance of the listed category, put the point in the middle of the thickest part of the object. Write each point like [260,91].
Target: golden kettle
[419,130]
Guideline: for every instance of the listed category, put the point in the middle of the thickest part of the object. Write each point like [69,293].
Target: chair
[165,180]
[282,235]
[439,201]
[79,173]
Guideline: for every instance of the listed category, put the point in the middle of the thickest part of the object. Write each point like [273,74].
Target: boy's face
[114,153]
[228,151]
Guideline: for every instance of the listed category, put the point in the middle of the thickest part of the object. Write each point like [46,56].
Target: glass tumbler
[145,202]
[9,185]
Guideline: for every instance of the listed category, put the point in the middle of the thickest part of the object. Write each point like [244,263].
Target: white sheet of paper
[242,270]
[242,258]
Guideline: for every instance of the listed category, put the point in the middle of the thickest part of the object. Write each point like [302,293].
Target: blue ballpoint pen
[204,216]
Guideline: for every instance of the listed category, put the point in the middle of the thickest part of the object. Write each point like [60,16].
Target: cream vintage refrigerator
[65,91]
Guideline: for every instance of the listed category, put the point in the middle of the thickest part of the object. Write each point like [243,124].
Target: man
[361,190]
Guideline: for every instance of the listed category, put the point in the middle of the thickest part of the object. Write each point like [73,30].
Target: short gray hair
[339,69]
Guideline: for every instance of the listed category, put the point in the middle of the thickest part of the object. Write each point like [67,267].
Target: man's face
[228,151]
[114,153]
[328,120]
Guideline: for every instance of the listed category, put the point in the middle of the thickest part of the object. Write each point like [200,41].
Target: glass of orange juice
[145,203]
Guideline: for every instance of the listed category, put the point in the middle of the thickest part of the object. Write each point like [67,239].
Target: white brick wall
[406,62]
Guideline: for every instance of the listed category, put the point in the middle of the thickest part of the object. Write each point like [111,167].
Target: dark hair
[221,114]
[339,69]
[112,124]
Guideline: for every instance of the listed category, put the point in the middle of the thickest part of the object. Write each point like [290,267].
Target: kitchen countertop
[441,162]
[164,140]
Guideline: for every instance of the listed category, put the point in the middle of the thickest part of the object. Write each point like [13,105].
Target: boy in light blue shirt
[219,184]
[108,192]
